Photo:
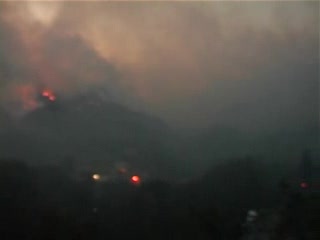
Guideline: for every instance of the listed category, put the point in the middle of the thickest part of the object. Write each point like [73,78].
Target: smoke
[37,56]
[193,63]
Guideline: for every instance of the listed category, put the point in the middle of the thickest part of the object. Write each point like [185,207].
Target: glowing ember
[135,179]
[52,98]
[49,95]
[45,94]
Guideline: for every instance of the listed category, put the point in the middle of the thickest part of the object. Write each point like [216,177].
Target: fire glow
[49,95]
[136,180]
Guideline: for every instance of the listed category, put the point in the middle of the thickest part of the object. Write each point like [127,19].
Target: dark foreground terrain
[48,202]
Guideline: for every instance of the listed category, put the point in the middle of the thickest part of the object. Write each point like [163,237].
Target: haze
[193,82]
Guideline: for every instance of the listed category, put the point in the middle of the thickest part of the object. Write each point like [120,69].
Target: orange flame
[49,95]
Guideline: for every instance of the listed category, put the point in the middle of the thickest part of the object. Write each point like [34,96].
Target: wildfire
[49,95]
[136,180]
[20,99]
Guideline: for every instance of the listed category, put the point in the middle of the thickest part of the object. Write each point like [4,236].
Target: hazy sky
[252,65]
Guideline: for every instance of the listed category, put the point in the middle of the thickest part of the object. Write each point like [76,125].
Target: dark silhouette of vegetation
[47,202]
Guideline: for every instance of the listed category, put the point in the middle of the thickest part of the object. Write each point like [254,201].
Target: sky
[249,65]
